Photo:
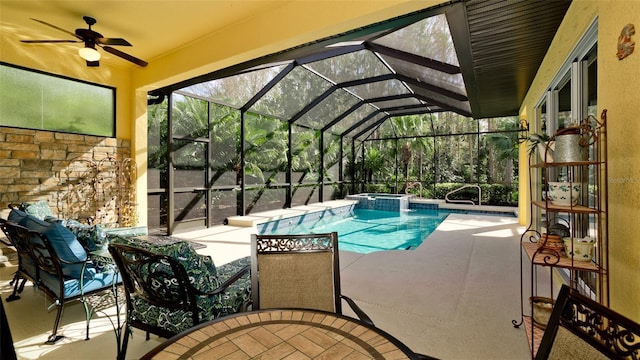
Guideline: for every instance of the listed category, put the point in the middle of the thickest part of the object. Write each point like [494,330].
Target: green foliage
[383,165]
[377,188]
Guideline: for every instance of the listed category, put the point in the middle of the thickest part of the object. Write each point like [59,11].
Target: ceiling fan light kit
[91,39]
[89,53]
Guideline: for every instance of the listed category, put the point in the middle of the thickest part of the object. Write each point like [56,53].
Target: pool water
[374,230]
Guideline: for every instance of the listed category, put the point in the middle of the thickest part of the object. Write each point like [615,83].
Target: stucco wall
[618,92]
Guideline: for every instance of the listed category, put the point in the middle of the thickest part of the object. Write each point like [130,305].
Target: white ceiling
[152,27]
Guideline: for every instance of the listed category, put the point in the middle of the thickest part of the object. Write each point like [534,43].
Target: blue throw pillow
[68,248]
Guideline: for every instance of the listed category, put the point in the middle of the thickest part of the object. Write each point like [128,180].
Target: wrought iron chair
[580,328]
[59,279]
[26,265]
[298,271]
[165,298]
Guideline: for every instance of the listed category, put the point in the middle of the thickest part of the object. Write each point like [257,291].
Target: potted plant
[538,141]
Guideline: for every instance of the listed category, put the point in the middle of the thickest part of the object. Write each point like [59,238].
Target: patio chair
[580,328]
[298,271]
[166,295]
[47,260]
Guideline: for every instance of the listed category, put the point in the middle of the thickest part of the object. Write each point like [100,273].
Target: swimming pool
[373,230]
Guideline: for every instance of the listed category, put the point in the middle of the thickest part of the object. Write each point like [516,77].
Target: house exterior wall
[81,177]
[619,93]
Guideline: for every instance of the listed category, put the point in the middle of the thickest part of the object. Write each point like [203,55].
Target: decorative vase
[568,149]
[564,193]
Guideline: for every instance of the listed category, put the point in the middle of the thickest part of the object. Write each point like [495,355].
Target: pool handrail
[446,197]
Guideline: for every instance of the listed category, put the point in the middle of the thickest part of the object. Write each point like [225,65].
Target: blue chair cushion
[65,244]
[76,286]
[68,248]
[33,223]
[16,216]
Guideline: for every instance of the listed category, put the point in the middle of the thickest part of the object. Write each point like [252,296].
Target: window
[572,93]
[37,100]
[572,96]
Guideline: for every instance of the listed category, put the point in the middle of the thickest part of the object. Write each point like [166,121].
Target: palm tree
[506,146]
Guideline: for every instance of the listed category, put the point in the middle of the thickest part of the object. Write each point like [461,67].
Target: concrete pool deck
[453,297]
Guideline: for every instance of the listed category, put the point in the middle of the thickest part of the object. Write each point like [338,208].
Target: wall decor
[625,45]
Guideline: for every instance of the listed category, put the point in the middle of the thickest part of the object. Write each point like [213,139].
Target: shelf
[580,220]
[562,261]
[558,164]
[578,209]
[537,335]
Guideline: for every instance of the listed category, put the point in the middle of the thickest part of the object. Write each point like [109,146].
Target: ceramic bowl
[580,250]
[564,193]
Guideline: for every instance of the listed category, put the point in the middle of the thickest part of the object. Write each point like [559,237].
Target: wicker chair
[580,328]
[165,298]
[298,271]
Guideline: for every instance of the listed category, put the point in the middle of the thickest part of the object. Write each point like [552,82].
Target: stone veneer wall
[74,173]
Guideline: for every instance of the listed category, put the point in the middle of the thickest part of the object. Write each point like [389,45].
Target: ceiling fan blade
[125,56]
[113,41]
[57,28]
[50,41]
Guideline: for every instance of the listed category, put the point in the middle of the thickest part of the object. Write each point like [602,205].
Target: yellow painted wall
[282,27]
[619,93]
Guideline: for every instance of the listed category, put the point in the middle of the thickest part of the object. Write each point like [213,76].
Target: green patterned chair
[171,288]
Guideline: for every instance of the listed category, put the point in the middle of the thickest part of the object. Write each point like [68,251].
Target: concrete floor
[453,297]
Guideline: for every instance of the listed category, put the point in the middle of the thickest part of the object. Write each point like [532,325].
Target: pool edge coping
[248,221]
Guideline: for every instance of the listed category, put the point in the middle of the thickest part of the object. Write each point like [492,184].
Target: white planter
[564,193]
[580,250]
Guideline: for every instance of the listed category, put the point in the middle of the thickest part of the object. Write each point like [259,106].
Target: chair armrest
[230,281]
[359,312]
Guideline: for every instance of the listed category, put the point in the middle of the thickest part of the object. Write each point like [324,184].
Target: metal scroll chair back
[580,328]
[298,271]
[159,281]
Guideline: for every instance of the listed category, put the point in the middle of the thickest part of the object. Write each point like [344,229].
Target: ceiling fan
[91,39]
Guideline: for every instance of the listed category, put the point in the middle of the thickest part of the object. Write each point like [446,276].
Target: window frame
[112,96]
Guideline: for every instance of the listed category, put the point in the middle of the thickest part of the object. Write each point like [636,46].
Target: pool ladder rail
[446,197]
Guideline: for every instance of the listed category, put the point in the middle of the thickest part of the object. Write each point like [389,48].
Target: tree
[506,146]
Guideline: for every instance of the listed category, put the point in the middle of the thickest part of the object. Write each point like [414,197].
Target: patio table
[275,334]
